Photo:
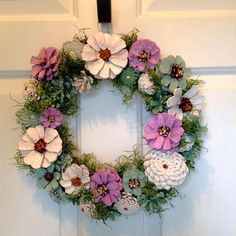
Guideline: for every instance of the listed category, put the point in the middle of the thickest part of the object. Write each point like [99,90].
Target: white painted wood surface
[204,33]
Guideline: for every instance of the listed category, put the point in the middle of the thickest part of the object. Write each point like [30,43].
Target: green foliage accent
[130,38]
[85,196]
[21,165]
[196,130]
[59,93]
[191,83]
[127,83]
[105,213]
[69,67]
[26,118]
[66,137]
[133,160]
[153,200]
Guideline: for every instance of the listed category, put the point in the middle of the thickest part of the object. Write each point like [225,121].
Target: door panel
[203,32]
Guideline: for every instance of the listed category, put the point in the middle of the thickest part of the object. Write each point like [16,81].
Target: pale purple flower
[163,132]
[45,65]
[51,118]
[144,55]
[106,186]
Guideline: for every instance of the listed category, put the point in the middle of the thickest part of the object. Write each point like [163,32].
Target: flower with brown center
[40,146]
[76,182]
[134,183]
[105,54]
[74,178]
[186,105]
[182,104]
[144,56]
[164,130]
[177,72]
[48,176]
[102,190]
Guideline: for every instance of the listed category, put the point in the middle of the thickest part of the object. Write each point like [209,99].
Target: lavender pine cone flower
[163,132]
[51,118]
[144,55]
[45,65]
[106,186]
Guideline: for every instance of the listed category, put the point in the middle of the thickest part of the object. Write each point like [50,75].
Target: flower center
[48,176]
[186,105]
[134,183]
[40,146]
[165,166]
[42,61]
[51,118]
[102,190]
[76,182]
[177,72]
[105,54]
[144,56]
[164,130]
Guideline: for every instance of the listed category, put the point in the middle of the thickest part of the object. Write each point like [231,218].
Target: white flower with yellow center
[40,146]
[191,102]
[74,178]
[105,55]
[165,169]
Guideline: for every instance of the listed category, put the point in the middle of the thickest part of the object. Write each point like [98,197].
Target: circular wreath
[134,181]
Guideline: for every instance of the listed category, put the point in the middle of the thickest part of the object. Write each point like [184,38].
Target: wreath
[134,181]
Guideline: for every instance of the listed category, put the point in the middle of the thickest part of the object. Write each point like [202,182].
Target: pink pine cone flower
[144,55]
[51,118]
[45,65]
[106,186]
[163,132]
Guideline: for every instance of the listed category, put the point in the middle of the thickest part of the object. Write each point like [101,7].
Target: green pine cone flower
[173,72]
[133,181]
[129,77]
[48,178]
[26,118]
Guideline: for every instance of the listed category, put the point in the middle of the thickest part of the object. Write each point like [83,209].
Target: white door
[204,33]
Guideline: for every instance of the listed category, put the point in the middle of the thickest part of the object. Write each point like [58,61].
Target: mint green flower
[48,178]
[173,72]
[26,118]
[129,77]
[133,181]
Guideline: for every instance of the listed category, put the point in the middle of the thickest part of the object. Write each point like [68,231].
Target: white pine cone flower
[188,144]
[83,82]
[181,104]
[165,170]
[145,84]
[29,90]
[128,205]
[105,55]
[40,146]
[88,209]
[74,178]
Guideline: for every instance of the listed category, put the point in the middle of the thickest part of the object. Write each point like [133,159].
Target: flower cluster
[174,132]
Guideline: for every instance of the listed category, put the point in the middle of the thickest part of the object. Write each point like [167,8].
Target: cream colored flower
[88,209]
[145,84]
[83,83]
[105,55]
[29,90]
[191,102]
[128,205]
[40,146]
[74,178]
[165,169]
